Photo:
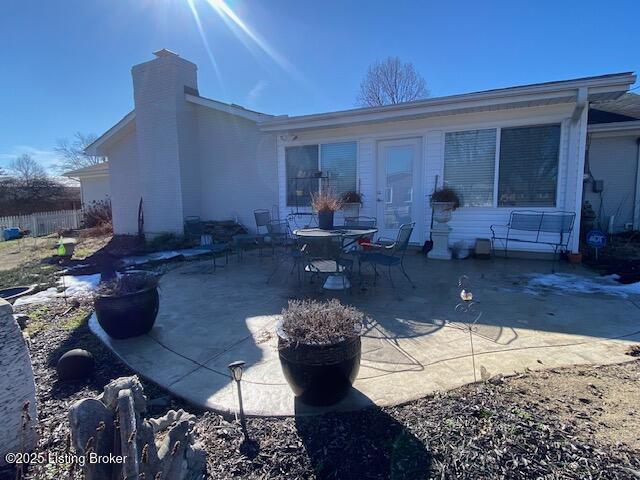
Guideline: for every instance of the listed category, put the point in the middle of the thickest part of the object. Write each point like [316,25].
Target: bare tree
[391,81]
[72,152]
[27,170]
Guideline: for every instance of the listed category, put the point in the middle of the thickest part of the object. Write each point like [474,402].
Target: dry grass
[129,283]
[311,322]
[326,201]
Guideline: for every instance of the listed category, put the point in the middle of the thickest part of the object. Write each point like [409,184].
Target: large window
[527,170]
[529,166]
[335,162]
[469,166]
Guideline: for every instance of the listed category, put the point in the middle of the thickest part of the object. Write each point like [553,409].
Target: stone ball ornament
[76,364]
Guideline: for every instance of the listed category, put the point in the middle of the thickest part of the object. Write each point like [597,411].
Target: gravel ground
[566,423]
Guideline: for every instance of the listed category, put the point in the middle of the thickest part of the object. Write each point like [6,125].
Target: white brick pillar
[17,388]
[161,110]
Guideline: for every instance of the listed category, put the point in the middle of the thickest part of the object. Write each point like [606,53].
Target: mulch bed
[494,429]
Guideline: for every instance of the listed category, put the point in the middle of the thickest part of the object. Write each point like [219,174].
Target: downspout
[579,120]
[636,207]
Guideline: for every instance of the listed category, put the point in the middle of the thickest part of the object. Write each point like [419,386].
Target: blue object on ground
[11,233]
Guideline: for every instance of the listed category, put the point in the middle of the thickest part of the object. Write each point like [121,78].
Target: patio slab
[415,344]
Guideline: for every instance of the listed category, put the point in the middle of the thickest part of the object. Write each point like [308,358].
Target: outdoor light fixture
[236,369]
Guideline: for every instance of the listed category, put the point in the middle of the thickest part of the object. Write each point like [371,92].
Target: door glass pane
[398,197]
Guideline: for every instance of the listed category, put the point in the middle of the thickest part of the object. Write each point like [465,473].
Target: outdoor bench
[527,226]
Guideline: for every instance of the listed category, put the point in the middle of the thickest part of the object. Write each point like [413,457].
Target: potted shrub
[319,348]
[351,202]
[127,306]
[443,202]
[326,203]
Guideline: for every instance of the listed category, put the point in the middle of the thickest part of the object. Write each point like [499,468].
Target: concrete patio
[415,344]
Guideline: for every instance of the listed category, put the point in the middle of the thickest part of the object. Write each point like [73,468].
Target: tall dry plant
[326,201]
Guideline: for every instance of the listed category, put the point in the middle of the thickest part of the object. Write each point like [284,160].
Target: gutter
[581,103]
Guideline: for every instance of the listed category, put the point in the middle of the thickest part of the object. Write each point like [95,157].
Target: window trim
[496,176]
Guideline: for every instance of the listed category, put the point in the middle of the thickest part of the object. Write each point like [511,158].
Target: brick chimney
[165,126]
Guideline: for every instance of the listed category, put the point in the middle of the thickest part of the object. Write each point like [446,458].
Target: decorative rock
[155,448]
[92,424]
[17,389]
[112,390]
[76,364]
[22,320]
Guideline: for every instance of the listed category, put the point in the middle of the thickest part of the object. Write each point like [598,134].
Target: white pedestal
[440,238]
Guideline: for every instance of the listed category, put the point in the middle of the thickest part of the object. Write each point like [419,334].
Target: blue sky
[66,64]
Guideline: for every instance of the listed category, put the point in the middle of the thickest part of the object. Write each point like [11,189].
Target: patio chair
[389,253]
[193,229]
[360,222]
[323,257]
[263,217]
[279,232]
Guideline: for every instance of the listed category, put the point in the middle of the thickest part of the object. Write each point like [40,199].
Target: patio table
[349,237]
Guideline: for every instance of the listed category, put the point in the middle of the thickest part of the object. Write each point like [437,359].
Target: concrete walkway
[415,344]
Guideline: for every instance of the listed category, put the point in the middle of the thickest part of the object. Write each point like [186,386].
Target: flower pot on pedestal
[440,231]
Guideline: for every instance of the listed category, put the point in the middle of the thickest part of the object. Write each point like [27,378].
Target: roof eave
[97,147]
[630,127]
[227,108]
[566,91]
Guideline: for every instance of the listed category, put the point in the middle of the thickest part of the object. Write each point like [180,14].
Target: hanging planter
[351,203]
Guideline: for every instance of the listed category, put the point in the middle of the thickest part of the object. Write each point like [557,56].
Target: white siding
[467,223]
[94,189]
[613,160]
[237,163]
[124,183]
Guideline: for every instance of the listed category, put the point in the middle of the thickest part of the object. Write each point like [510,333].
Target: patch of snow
[73,286]
[565,283]
[44,296]
[165,255]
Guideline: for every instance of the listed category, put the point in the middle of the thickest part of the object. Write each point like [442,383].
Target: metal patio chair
[323,257]
[194,229]
[388,253]
[284,246]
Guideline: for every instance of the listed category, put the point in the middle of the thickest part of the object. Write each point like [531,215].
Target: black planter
[325,220]
[130,315]
[320,374]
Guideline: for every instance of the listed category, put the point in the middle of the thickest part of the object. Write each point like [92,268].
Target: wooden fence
[43,223]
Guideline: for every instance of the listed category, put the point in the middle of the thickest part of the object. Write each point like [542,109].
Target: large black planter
[325,220]
[320,374]
[130,315]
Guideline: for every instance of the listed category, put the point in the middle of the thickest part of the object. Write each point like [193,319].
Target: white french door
[399,186]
